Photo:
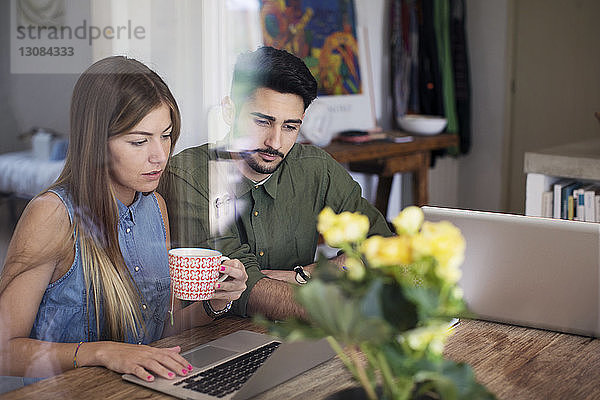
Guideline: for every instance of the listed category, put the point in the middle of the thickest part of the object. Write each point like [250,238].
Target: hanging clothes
[430,81]
[441,22]
[462,81]
[430,66]
[400,57]
[413,41]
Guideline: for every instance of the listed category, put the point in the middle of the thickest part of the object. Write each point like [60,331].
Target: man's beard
[256,166]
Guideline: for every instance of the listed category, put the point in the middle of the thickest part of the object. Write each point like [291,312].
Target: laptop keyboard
[228,377]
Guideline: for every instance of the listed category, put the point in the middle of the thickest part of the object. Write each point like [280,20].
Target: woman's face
[137,158]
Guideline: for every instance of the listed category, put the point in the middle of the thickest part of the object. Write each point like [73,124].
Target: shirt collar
[246,184]
[271,184]
[129,212]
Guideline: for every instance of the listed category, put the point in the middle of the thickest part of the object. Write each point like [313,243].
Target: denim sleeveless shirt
[63,313]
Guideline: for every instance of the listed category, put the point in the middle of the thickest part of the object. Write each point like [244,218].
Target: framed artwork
[325,35]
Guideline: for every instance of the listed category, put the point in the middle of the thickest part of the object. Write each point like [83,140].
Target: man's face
[266,128]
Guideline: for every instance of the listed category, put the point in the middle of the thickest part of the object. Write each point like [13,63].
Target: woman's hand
[232,288]
[145,362]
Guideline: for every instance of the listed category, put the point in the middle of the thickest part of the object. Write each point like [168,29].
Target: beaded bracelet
[75,355]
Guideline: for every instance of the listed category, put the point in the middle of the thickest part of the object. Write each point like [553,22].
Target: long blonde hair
[110,97]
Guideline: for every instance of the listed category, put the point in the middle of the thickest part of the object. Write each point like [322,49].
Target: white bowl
[422,124]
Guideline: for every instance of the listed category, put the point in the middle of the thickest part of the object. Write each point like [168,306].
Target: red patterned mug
[194,272]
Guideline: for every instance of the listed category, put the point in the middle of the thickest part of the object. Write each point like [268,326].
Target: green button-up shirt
[272,225]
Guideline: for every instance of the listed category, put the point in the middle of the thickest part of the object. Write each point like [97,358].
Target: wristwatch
[302,276]
[211,311]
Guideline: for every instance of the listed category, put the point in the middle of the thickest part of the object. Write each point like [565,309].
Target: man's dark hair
[267,67]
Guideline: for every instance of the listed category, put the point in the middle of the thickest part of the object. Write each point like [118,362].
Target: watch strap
[302,276]
[211,312]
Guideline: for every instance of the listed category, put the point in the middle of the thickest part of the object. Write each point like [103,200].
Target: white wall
[31,100]
[480,173]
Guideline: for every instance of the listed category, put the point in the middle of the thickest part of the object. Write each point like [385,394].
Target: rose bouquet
[387,313]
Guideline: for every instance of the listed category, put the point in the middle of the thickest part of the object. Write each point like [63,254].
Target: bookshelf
[578,160]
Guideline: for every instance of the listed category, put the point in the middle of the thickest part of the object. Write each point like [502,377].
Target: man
[257,196]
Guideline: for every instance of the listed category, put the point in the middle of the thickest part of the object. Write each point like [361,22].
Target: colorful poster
[323,34]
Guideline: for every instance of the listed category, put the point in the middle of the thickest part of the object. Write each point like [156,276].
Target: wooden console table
[513,362]
[387,158]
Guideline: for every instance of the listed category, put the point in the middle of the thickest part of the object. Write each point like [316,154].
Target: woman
[86,279]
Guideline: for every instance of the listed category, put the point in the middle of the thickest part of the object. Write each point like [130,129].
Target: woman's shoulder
[48,207]
[45,221]
[43,235]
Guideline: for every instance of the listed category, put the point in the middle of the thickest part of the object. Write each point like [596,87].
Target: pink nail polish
[190,367]
[150,378]
[184,371]
[218,285]
[222,268]
[171,374]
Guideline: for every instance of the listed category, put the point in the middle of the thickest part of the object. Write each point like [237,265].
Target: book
[547,203]
[558,186]
[566,196]
[570,207]
[578,210]
[589,203]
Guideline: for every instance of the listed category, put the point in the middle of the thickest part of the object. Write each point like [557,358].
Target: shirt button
[144,306]
[255,213]
[128,230]
[261,253]
[255,186]
[137,269]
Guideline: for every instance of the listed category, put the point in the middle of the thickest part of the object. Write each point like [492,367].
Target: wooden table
[386,159]
[523,363]
[513,362]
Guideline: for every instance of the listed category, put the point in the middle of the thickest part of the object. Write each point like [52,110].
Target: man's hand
[290,276]
[280,275]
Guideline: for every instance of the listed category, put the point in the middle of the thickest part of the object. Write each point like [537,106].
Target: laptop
[240,366]
[529,271]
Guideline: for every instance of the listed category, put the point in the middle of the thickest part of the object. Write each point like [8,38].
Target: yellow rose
[356,226]
[409,221]
[346,227]
[380,251]
[326,219]
[355,269]
[445,243]
[432,336]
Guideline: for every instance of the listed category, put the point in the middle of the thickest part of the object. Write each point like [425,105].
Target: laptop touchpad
[207,355]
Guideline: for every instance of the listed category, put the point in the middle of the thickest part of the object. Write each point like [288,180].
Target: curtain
[192,45]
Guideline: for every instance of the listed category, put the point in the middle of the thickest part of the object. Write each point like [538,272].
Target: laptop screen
[530,271]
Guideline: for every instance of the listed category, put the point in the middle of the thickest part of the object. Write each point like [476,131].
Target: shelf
[579,160]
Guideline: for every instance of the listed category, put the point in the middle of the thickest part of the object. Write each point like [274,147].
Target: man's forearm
[274,299]
[337,260]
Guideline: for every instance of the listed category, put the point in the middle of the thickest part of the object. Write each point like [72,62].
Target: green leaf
[396,307]
[371,302]
[462,375]
[431,380]
[426,301]
[450,380]
[338,315]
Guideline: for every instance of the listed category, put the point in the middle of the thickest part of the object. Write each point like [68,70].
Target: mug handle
[223,276]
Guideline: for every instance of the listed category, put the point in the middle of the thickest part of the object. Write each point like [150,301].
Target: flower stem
[362,376]
[340,352]
[354,365]
[387,375]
